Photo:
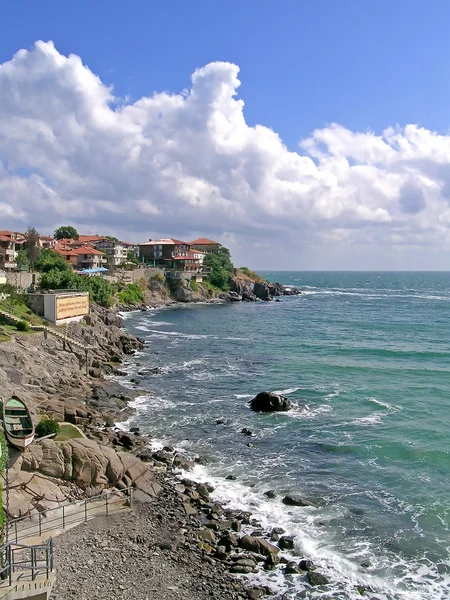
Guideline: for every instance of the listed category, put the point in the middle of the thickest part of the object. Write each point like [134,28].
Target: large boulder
[258,545]
[262,291]
[270,402]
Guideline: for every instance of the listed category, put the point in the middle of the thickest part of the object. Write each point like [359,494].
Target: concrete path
[38,529]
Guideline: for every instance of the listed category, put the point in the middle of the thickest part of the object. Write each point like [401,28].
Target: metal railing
[68,515]
[22,559]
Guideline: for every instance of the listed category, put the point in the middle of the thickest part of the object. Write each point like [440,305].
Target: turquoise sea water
[366,359]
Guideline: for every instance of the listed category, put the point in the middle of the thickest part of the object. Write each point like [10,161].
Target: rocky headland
[177,539]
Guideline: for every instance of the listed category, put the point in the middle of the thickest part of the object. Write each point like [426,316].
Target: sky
[302,135]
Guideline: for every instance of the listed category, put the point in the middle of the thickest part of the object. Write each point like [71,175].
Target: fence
[68,515]
[14,559]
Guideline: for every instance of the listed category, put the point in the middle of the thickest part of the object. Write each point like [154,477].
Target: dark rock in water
[231,477]
[271,562]
[306,565]
[366,564]
[278,530]
[162,456]
[270,402]
[152,371]
[246,431]
[296,501]
[291,568]
[220,421]
[317,578]
[261,290]
[168,449]
[258,545]
[183,463]
[286,542]
[134,430]
[270,494]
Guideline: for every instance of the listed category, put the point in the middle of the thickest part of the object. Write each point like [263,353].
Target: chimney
[149,239]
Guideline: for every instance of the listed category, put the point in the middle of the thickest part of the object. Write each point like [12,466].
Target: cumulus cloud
[187,163]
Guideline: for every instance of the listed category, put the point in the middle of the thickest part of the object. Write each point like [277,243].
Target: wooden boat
[17,422]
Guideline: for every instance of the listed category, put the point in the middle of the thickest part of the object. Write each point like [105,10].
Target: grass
[4,338]
[67,432]
[21,311]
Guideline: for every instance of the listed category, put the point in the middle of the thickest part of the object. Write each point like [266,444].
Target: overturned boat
[17,423]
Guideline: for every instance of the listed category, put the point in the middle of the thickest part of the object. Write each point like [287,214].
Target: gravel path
[150,552]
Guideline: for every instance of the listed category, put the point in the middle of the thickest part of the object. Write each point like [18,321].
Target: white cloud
[188,164]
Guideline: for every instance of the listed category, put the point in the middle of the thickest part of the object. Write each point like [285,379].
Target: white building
[116,252]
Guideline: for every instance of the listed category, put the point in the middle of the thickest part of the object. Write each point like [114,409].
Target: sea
[365,359]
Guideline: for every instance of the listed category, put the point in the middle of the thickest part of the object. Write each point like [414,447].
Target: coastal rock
[306,565]
[294,500]
[286,542]
[270,494]
[315,578]
[258,545]
[270,402]
[291,568]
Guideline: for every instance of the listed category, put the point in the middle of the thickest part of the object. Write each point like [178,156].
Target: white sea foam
[380,403]
[343,571]
[239,396]
[374,419]
[287,391]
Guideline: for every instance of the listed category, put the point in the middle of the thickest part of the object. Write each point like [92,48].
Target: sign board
[71,306]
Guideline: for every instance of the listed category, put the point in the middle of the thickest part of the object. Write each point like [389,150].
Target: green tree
[100,290]
[22,261]
[48,260]
[219,260]
[131,257]
[66,232]
[111,238]
[32,246]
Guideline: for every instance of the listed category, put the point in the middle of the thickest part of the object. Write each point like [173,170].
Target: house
[81,256]
[10,244]
[45,241]
[89,239]
[162,251]
[116,252]
[204,244]
[190,262]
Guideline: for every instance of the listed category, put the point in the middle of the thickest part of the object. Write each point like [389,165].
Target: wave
[287,391]
[390,577]
[374,419]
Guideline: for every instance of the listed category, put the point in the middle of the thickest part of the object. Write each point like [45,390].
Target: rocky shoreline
[176,528]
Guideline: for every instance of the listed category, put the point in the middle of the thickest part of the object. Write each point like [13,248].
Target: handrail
[62,517]
[38,561]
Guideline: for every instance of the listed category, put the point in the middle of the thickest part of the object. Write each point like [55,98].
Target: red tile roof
[89,238]
[165,242]
[204,242]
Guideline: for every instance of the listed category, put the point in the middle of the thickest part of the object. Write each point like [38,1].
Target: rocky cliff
[254,289]
[53,381]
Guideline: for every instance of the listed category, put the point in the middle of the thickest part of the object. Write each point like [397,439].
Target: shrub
[194,285]
[132,294]
[22,326]
[47,426]
[159,277]
[219,261]
[251,274]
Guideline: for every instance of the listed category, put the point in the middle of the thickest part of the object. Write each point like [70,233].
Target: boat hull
[18,423]
[19,443]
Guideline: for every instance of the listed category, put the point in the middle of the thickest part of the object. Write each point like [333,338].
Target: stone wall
[22,279]
[36,303]
[133,276]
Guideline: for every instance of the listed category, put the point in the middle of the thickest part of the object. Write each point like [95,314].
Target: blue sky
[303,66]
